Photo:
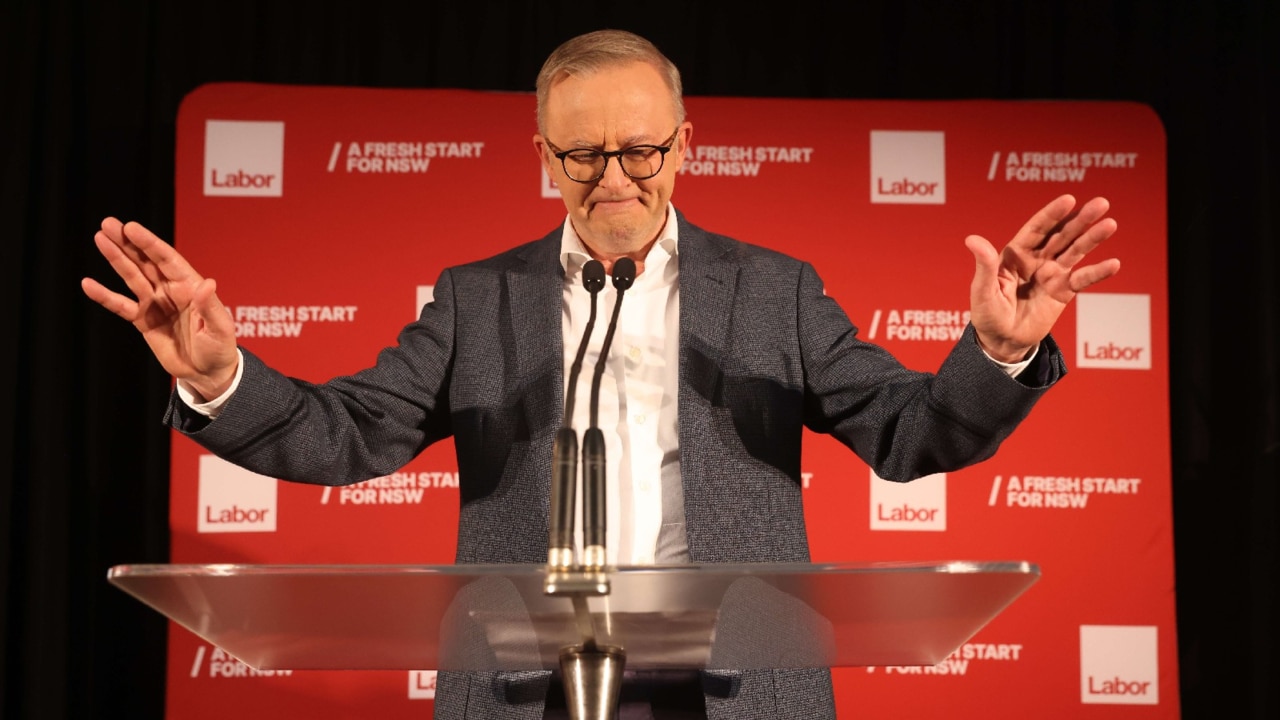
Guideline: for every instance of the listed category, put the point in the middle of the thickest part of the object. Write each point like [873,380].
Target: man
[728,351]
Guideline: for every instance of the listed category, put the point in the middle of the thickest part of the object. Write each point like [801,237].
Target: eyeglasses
[638,162]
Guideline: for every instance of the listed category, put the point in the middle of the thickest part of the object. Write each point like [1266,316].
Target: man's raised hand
[174,307]
[1018,294]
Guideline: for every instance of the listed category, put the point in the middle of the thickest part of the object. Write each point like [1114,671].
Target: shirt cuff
[1013,370]
[211,408]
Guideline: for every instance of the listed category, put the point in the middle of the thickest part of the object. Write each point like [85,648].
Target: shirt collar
[573,253]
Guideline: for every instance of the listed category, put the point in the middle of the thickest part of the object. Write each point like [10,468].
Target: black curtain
[89,100]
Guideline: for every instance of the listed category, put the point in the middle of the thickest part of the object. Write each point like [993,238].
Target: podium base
[592,681]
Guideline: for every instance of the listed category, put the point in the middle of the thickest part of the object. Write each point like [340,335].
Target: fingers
[211,310]
[113,233]
[125,265]
[115,302]
[1047,221]
[112,228]
[1083,277]
[116,248]
[986,262]
[1077,224]
[155,259]
[1059,218]
[156,274]
[169,261]
[1072,250]
[1064,233]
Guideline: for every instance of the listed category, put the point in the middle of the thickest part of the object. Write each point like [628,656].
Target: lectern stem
[592,681]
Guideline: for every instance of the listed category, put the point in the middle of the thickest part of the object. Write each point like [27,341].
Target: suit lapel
[708,284]
[537,293]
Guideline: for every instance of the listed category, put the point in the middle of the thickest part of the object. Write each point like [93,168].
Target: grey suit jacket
[763,353]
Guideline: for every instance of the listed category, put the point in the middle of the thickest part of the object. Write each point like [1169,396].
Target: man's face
[612,109]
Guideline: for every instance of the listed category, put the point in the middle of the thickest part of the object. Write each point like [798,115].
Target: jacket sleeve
[346,430]
[907,424]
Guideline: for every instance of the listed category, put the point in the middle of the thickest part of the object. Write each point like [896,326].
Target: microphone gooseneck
[624,274]
[593,281]
[593,450]
[564,469]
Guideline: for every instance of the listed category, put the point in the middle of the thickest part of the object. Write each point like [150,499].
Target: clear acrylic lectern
[498,617]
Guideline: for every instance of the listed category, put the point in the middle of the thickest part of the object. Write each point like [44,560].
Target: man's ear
[684,137]
[544,155]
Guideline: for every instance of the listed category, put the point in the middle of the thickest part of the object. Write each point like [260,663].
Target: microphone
[593,281]
[564,468]
[593,457]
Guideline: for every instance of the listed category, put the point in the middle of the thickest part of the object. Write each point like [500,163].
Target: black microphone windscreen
[593,276]
[624,273]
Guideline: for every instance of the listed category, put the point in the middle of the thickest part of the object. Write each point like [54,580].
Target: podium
[498,617]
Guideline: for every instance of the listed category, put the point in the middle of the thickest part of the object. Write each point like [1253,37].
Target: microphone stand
[592,672]
[564,469]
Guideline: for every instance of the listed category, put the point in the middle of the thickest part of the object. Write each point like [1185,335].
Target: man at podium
[727,350]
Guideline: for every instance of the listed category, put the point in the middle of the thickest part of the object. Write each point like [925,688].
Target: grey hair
[597,50]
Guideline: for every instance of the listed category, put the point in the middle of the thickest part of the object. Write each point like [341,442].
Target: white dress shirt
[637,412]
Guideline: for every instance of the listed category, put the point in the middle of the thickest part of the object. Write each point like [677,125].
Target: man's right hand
[176,310]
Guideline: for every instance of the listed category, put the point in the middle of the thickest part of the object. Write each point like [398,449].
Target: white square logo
[426,294]
[422,684]
[919,505]
[243,158]
[232,499]
[1119,665]
[1113,331]
[908,167]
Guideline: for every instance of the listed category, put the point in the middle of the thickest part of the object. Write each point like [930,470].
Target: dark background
[88,105]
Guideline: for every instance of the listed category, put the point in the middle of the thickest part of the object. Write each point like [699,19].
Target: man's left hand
[1018,294]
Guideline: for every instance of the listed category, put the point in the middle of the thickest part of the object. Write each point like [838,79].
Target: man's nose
[613,174]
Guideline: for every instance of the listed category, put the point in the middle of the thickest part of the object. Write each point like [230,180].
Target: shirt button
[634,352]
[640,419]
[646,487]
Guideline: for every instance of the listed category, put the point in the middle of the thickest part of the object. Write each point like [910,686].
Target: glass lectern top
[497,617]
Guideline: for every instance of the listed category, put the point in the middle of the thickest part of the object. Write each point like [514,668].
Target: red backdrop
[327,213]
